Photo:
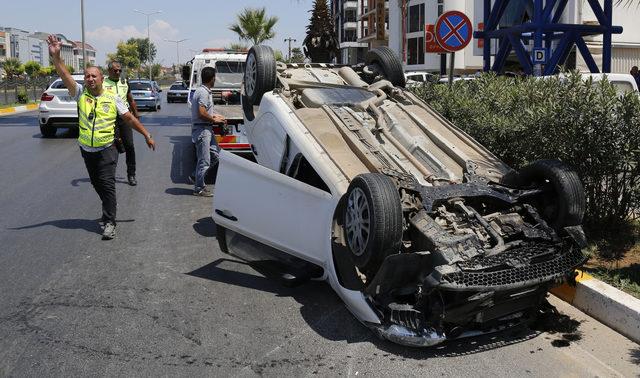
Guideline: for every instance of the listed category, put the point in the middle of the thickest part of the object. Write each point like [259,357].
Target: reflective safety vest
[97,119]
[118,87]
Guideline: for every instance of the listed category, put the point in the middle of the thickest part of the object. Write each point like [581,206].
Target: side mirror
[186,73]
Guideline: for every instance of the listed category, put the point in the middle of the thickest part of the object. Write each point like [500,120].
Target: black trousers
[126,133]
[101,166]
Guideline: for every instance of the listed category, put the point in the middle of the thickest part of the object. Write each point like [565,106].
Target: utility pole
[289,40]
[148,37]
[177,48]
[84,49]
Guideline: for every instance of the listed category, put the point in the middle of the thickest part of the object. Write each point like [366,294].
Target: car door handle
[226,214]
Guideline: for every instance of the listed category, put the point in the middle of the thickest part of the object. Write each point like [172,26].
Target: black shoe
[132,180]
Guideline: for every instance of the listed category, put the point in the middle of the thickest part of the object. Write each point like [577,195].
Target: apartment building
[347,16]
[78,63]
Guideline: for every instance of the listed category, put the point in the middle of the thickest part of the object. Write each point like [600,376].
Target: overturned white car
[423,233]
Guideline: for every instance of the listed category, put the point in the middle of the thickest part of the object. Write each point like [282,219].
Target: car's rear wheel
[260,73]
[563,202]
[389,63]
[372,221]
[47,131]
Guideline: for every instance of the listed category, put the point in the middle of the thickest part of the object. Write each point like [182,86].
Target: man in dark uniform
[119,86]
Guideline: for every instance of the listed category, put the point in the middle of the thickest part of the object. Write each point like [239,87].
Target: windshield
[178,87]
[58,84]
[229,74]
[137,86]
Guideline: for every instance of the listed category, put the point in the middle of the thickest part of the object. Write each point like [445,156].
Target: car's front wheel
[47,130]
[372,221]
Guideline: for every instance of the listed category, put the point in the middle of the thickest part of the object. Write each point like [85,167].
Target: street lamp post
[148,37]
[84,50]
[177,48]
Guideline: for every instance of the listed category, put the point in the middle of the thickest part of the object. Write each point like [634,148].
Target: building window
[416,18]
[440,7]
[415,53]
[350,16]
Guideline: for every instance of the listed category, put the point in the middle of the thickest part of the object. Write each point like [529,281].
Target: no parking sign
[453,31]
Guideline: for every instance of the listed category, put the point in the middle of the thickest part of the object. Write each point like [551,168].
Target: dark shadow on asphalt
[89,225]
[183,159]
[321,307]
[205,226]
[327,315]
[20,120]
[60,134]
[179,191]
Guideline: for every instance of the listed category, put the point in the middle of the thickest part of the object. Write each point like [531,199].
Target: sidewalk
[613,307]
[18,109]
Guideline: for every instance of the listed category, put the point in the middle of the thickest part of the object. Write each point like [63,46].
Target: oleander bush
[583,123]
[22,97]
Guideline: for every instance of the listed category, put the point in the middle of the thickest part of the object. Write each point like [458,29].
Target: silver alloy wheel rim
[358,221]
[250,76]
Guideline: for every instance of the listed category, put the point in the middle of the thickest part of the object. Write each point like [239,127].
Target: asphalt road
[161,299]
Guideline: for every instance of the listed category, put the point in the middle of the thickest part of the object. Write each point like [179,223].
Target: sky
[205,23]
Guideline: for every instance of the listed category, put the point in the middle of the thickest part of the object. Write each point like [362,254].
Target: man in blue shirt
[202,120]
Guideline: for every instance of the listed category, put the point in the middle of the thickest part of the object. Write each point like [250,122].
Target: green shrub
[581,123]
[22,97]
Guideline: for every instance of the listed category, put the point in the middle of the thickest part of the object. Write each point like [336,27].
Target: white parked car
[57,109]
[423,232]
[622,82]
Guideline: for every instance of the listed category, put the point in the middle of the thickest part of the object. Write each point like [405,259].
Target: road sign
[453,31]
[539,56]
[431,45]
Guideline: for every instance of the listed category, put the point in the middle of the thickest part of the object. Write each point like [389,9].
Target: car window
[415,77]
[178,87]
[229,74]
[622,86]
[136,86]
[58,84]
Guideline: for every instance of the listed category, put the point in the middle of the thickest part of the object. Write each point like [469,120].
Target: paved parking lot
[162,299]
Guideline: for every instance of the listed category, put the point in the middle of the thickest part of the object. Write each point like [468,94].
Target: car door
[273,208]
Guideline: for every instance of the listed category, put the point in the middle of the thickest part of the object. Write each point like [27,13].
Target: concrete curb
[604,302]
[18,109]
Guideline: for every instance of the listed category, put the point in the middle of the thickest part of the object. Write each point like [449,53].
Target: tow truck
[229,65]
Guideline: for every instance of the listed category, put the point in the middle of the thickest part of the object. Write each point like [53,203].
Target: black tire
[260,73]
[47,131]
[390,64]
[564,204]
[373,200]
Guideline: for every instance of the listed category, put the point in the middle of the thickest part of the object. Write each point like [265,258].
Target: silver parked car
[57,109]
[146,93]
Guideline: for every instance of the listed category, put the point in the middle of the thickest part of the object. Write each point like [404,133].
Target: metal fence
[17,90]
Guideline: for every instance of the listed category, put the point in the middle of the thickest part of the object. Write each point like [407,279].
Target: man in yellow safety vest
[119,86]
[97,114]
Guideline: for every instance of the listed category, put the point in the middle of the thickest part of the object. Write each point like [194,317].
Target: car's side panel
[273,209]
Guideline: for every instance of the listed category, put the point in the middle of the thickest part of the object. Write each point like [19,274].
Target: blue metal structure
[544,28]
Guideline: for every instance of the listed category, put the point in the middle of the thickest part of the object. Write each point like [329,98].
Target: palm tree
[254,26]
[12,67]
[321,43]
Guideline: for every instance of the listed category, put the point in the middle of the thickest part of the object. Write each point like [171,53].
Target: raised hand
[54,45]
